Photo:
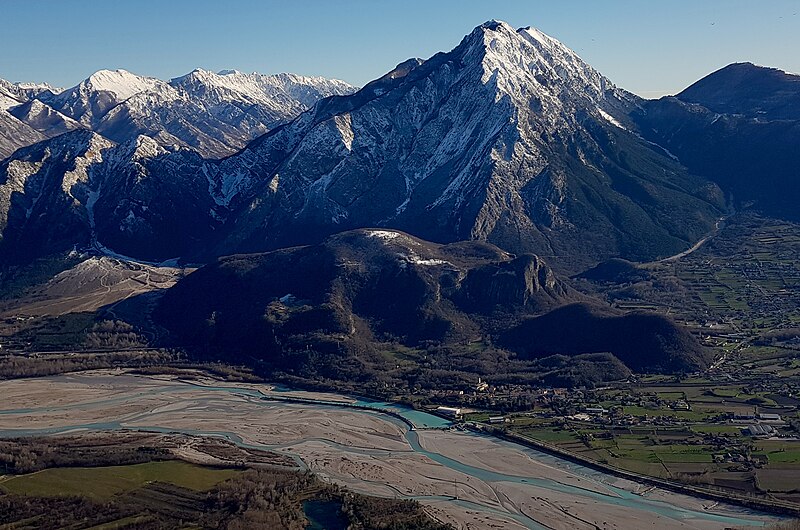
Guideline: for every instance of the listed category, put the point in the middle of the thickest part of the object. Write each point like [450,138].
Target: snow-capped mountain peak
[497,139]
[528,64]
[121,83]
[10,94]
[90,100]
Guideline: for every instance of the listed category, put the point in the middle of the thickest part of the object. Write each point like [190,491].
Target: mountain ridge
[739,127]
[186,111]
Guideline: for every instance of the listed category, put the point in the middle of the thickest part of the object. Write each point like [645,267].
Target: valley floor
[468,480]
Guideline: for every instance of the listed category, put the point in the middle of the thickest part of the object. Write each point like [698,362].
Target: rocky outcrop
[525,281]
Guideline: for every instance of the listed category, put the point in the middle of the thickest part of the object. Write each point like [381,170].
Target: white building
[450,412]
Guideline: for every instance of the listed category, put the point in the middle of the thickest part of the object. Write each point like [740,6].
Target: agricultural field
[703,442]
[101,483]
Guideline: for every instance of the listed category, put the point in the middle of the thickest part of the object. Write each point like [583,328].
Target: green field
[105,482]
[717,429]
[688,415]
[550,435]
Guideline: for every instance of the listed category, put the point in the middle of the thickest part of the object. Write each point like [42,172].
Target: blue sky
[648,47]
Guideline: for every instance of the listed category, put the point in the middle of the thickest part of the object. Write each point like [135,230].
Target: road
[717,227]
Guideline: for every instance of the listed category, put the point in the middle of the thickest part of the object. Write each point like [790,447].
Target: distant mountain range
[509,138]
[216,114]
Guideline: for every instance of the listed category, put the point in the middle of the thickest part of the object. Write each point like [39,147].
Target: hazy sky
[648,47]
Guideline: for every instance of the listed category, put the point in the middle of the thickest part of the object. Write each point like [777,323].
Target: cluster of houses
[759,425]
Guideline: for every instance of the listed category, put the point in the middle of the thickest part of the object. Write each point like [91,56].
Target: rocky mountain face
[24,120]
[43,118]
[13,132]
[45,195]
[135,199]
[508,138]
[215,114]
[149,202]
[739,127]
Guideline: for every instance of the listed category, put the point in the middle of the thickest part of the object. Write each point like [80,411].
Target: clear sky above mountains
[651,48]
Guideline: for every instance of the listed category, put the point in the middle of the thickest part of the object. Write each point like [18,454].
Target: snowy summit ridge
[215,114]
[121,83]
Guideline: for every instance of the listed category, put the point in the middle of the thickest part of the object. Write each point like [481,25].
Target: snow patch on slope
[6,102]
[274,91]
[425,262]
[386,235]
[80,174]
[345,126]
[611,119]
